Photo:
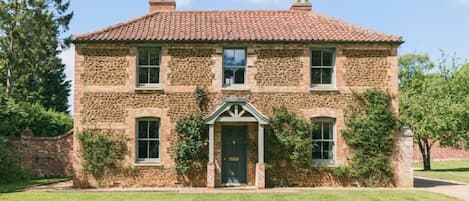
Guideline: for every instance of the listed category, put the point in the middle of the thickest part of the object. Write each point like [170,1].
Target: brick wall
[442,153]
[45,156]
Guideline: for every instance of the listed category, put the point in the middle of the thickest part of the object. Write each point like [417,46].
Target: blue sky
[426,25]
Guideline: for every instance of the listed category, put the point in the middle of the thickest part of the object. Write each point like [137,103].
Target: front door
[234,155]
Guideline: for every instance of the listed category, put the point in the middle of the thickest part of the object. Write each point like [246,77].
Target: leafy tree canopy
[29,44]
[433,101]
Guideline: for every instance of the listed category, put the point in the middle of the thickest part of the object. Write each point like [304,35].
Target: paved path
[450,188]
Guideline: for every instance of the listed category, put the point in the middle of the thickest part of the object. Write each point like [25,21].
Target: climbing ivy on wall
[288,143]
[369,134]
[103,153]
[192,146]
[201,96]
[191,149]
[290,134]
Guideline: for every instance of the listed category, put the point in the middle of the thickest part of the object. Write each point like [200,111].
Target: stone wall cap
[406,132]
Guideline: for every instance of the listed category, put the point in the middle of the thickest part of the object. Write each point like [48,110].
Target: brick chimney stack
[162,5]
[301,5]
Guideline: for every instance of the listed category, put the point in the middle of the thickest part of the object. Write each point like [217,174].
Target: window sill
[324,164]
[149,89]
[148,164]
[235,88]
[330,89]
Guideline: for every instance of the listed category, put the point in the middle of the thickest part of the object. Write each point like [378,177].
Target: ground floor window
[148,140]
[323,139]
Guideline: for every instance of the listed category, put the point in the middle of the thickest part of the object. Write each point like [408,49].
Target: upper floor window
[148,67]
[323,140]
[234,67]
[148,139]
[322,68]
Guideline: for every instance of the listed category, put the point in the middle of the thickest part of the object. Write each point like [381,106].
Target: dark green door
[234,154]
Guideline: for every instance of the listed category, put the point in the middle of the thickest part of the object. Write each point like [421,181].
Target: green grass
[449,170]
[8,187]
[344,195]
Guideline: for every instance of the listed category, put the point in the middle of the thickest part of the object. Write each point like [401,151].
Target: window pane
[316,154]
[325,155]
[229,77]
[317,131]
[154,75]
[240,57]
[155,57]
[326,76]
[142,129]
[315,76]
[153,131]
[154,149]
[327,131]
[316,58]
[143,75]
[239,76]
[143,56]
[229,57]
[327,58]
[327,150]
[142,149]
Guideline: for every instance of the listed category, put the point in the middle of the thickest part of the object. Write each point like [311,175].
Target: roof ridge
[234,10]
[354,27]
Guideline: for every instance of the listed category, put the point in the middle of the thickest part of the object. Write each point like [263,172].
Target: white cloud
[68,58]
[464,2]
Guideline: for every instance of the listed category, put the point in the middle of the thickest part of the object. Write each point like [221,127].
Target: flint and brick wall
[277,75]
[45,156]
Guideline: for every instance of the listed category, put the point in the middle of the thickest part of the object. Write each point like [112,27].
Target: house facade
[138,78]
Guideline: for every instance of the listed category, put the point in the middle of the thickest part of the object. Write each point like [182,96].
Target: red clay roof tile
[237,26]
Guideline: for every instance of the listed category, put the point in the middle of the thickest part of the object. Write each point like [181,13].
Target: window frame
[239,67]
[331,161]
[333,67]
[138,66]
[137,140]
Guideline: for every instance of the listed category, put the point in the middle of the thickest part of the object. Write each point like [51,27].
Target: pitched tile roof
[237,25]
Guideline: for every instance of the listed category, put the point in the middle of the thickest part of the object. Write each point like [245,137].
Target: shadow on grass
[427,183]
[21,186]
[447,170]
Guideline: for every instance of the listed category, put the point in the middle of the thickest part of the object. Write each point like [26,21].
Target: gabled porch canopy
[236,110]
[240,111]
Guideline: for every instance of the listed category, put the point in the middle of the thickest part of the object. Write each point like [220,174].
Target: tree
[29,45]
[433,102]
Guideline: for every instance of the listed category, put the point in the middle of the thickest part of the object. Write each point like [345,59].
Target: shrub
[17,116]
[102,153]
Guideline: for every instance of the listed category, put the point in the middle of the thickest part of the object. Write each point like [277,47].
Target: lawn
[323,195]
[450,170]
[8,187]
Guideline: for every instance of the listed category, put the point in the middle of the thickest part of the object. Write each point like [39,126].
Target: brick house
[138,78]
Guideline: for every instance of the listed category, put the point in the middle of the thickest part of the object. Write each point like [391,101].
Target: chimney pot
[301,5]
[162,5]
